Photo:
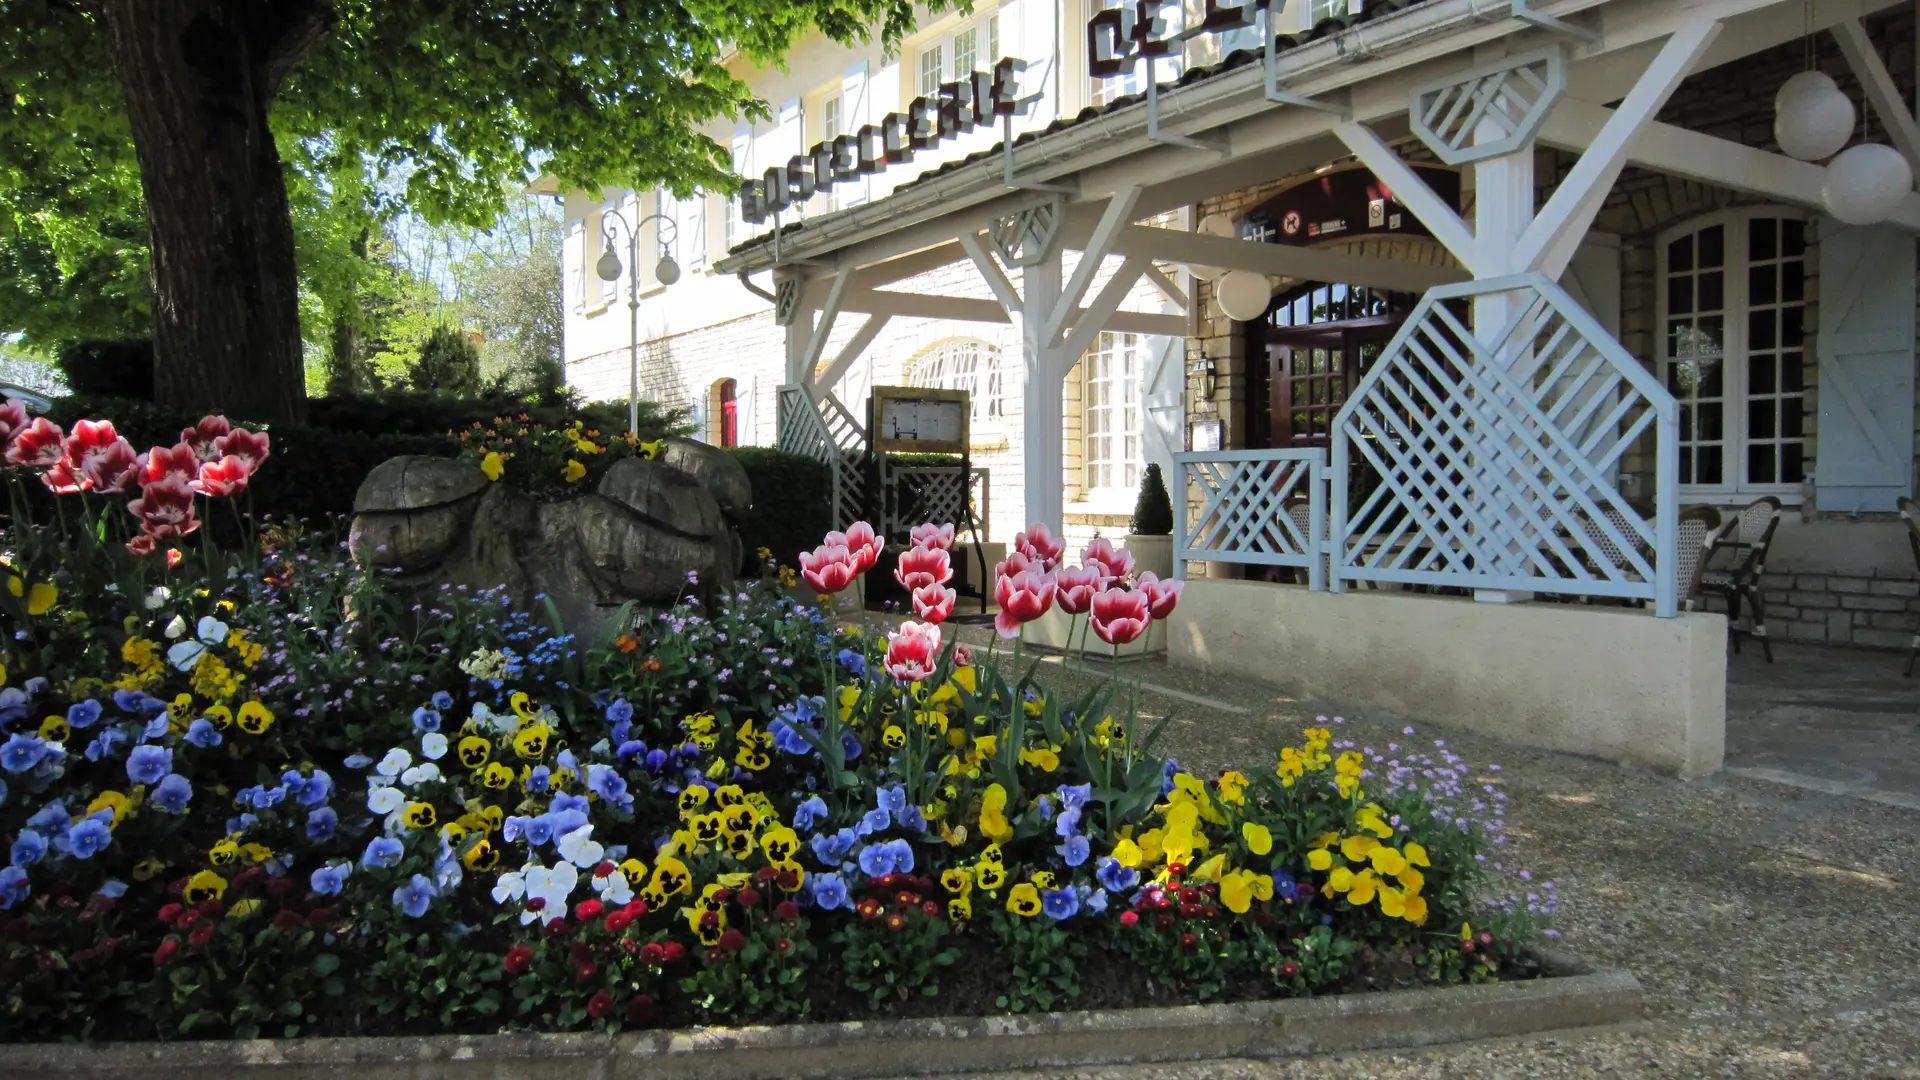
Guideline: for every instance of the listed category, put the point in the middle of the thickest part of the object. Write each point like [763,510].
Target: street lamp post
[666,272]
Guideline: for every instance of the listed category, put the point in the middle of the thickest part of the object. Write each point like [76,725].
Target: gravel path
[1776,930]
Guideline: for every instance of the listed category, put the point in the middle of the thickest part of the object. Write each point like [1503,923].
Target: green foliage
[1153,513]
[448,364]
[897,950]
[1044,962]
[791,503]
[761,973]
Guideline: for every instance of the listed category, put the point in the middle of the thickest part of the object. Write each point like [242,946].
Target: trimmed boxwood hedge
[792,503]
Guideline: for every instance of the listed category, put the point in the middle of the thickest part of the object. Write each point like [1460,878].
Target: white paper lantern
[1865,183]
[1812,118]
[1216,225]
[1243,295]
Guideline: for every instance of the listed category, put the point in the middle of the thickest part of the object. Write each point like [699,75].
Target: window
[966,364]
[594,290]
[686,238]
[1110,373]
[932,59]
[965,52]
[830,118]
[737,226]
[1134,81]
[993,39]
[1732,303]
[1330,9]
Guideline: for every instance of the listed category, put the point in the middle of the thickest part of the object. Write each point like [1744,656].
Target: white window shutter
[1864,451]
[853,113]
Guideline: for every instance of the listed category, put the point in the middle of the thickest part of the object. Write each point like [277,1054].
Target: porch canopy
[1519,416]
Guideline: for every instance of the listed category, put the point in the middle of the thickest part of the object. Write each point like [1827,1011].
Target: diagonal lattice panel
[1493,454]
[1245,509]
[1489,111]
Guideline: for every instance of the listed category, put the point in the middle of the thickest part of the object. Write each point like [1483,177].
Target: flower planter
[1580,997]
[1050,631]
[1153,553]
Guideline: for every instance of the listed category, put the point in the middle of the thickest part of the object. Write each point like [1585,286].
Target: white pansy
[434,745]
[614,888]
[579,848]
[385,800]
[176,628]
[509,886]
[157,599]
[422,773]
[395,762]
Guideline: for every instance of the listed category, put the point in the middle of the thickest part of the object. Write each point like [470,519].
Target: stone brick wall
[1840,609]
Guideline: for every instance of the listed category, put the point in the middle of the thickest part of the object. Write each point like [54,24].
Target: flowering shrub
[546,461]
[248,793]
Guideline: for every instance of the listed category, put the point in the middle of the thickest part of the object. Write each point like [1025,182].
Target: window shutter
[853,113]
[1864,452]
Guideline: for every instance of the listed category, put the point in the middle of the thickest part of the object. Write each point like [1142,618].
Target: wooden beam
[817,341]
[1550,239]
[990,271]
[1281,260]
[1095,318]
[970,309]
[1166,286]
[1115,217]
[1574,124]
[1411,191]
[863,337]
[1879,87]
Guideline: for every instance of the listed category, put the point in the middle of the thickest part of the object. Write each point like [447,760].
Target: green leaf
[326,964]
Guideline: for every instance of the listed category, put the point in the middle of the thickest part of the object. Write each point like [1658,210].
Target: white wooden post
[1502,208]
[1044,398]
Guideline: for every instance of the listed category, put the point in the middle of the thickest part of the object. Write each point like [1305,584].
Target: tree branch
[283,33]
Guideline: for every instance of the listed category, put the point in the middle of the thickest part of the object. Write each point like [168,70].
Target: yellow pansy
[419,815]
[957,879]
[1393,904]
[256,853]
[1357,848]
[633,870]
[1211,869]
[254,718]
[493,465]
[40,597]
[55,729]
[1233,787]
[109,800]
[496,776]
[1386,860]
[959,909]
[780,845]
[1411,880]
[531,742]
[989,875]
[1340,880]
[1319,858]
[205,885]
[1416,910]
[1236,890]
[1043,758]
[993,816]
[670,877]
[574,471]
[243,908]
[1363,888]
[1127,853]
[223,853]
[894,737]
[1416,855]
[1024,900]
[1258,837]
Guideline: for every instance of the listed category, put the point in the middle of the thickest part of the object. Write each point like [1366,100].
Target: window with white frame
[736,225]
[966,50]
[1732,303]
[1134,81]
[932,65]
[1331,9]
[993,39]
[686,238]
[966,364]
[830,118]
[1110,375]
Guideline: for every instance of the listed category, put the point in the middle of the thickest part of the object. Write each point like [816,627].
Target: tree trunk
[199,77]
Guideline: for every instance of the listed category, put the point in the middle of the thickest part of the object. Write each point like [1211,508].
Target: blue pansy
[853,662]
[442,701]
[1094,899]
[13,704]
[875,821]
[29,848]
[328,880]
[415,896]
[1074,851]
[106,743]
[1284,884]
[357,761]
[832,848]
[877,860]
[538,830]
[1059,904]
[656,760]
[171,794]
[14,886]
[203,734]
[538,779]
[112,889]
[809,812]
[513,827]
[21,752]
[850,745]
[1115,877]
[318,789]
[147,764]
[244,823]
[50,818]
[321,823]
[85,839]
[828,891]
[902,856]
[157,728]
[382,851]
[892,799]
[83,714]
[128,701]
[619,712]
[630,749]
[565,819]
[607,783]
[264,797]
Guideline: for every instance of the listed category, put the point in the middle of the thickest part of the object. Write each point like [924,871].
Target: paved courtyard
[1772,912]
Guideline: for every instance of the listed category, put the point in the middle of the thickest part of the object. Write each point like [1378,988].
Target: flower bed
[232,808]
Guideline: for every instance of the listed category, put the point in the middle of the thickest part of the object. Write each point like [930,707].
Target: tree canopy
[373,107]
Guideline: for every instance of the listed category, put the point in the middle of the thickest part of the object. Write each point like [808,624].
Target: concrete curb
[1401,1018]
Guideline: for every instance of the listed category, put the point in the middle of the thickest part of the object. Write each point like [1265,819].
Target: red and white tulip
[13,418]
[933,603]
[828,568]
[38,444]
[1040,546]
[1161,595]
[1120,616]
[204,437]
[165,508]
[933,536]
[1077,586]
[912,651]
[923,566]
[222,478]
[1113,565]
[1023,597]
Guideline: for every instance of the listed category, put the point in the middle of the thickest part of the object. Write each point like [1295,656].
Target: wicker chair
[1736,557]
[1698,526]
[1910,512]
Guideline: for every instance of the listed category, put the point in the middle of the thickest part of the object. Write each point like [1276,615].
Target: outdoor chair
[1695,533]
[1736,558]
[1910,513]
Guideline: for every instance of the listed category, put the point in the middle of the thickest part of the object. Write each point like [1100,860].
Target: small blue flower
[875,821]
[606,783]
[29,848]
[853,662]
[877,860]
[1115,877]
[656,760]
[357,761]
[538,779]
[1044,804]
[809,812]
[1059,904]
[156,728]
[832,848]
[203,734]
[171,794]
[425,720]
[51,818]
[443,701]
[14,886]
[321,823]
[538,830]
[128,701]
[850,745]
[265,797]
[83,714]
[21,752]
[620,712]
[147,764]
[382,851]
[892,799]
[902,856]
[106,743]
[828,890]
[112,889]
[513,827]
[85,840]
[566,819]
[318,789]
[328,880]
[1076,796]
[1068,823]
[1074,851]
[1284,885]
[564,803]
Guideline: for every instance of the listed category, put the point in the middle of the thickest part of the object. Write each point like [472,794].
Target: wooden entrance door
[1316,342]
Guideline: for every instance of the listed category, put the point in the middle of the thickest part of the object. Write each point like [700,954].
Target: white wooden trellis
[935,493]
[1494,455]
[1242,515]
[827,433]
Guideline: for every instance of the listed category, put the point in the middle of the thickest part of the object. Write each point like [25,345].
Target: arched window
[965,364]
[723,414]
[1732,303]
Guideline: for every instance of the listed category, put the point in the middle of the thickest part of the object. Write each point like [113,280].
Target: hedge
[792,503]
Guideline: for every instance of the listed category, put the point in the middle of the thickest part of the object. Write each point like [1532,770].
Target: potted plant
[1151,540]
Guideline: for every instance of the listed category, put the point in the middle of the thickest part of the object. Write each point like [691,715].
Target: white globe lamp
[1243,295]
[1812,119]
[1215,225]
[1865,183]
[666,271]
